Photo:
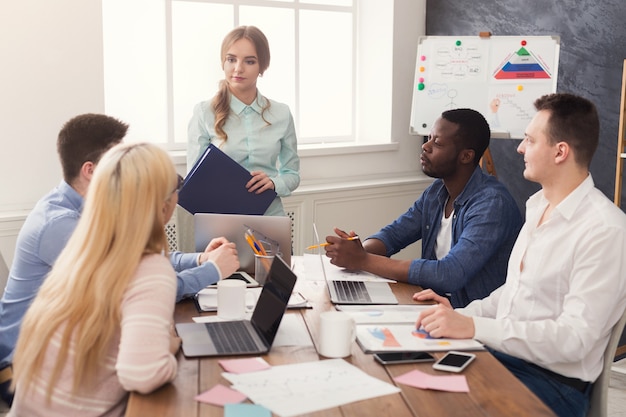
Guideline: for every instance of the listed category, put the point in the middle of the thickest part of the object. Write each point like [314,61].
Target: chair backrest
[600,394]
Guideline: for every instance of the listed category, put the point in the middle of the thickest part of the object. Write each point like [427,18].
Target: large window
[331,62]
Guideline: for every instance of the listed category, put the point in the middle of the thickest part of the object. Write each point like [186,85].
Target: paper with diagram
[405,337]
[499,76]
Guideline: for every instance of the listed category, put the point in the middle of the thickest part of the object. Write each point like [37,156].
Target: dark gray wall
[593,49]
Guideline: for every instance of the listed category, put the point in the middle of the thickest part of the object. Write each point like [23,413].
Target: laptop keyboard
[231,337]
[353,291]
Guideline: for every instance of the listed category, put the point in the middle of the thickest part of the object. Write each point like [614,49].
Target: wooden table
[494,391]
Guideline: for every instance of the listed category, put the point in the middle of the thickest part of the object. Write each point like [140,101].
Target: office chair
[600,394]
[4,274]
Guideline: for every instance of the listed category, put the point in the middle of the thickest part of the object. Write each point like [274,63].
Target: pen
[326,243]
[258,249]
[251,243]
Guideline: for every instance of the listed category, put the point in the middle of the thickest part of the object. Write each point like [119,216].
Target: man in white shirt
[549,324]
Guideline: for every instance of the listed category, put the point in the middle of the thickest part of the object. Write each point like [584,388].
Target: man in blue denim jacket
[467,220]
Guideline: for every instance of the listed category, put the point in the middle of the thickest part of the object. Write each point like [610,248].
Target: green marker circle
[458,43]
[420,86]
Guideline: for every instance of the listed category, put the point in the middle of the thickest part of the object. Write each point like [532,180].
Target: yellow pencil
[326,243]
[260,250]
[251,243]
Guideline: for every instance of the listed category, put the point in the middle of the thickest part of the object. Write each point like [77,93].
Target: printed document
[291,390]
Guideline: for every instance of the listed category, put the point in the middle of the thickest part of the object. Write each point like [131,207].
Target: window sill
[180,156]
[344,149]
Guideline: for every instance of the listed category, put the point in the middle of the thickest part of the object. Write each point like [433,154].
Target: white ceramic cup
[337,332]
[233,300]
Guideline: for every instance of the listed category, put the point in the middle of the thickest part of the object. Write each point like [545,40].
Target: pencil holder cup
[262,265]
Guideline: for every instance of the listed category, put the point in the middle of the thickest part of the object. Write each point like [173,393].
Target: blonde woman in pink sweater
[101,323]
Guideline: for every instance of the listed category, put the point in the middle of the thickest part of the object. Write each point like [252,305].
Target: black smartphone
[389,358]
[454,361]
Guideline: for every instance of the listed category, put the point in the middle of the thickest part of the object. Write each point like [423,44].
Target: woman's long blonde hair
[221,101]
[123,220]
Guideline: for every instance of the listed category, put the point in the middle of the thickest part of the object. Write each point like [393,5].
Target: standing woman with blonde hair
[255,131]
[101,324]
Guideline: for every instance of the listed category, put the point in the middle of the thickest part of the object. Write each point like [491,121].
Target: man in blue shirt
[80,144]
[466,219]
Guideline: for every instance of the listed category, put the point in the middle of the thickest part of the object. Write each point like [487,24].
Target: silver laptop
[244,337]
[354,292]
[273,232]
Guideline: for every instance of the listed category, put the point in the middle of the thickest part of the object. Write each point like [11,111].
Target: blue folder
[217,184]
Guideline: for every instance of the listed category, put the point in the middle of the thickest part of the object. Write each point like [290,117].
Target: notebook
[217,184]
[244,337]
[206,299]
[274,232]
[355,292]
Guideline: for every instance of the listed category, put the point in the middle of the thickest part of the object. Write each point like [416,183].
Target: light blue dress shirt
[43,236]
[251,142]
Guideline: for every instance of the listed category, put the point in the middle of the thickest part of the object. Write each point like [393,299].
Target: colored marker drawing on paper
[421,333]
[397,337]
[522,65]
[385,335]
[388,339]
[455,72]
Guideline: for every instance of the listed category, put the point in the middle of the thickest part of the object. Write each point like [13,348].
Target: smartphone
[454,361]
[389,358]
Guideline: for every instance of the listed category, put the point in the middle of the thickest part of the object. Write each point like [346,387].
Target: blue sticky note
[246,410]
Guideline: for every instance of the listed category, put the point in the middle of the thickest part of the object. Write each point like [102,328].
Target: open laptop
[244,337]
[352,291]
[271,231]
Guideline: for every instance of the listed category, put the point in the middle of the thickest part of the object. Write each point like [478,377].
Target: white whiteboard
[499,76]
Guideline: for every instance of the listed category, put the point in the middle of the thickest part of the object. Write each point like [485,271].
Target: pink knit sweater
[138,359]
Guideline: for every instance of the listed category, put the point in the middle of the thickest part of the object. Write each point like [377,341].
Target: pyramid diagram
[521,65]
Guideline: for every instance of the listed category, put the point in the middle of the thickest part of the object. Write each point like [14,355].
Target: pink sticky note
[412,379]
[243,365]
[220,395]
[417,379]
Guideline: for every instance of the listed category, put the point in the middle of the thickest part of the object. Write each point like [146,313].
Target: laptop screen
[273,300]
[320,250]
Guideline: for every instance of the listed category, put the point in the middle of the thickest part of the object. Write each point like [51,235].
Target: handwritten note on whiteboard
[499,76]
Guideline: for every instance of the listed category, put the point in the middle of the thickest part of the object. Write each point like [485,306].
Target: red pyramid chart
[521,65]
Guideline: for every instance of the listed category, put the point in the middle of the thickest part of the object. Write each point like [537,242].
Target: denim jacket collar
[469,190]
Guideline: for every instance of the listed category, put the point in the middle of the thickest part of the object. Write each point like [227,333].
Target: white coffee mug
[233,300]
[337,332]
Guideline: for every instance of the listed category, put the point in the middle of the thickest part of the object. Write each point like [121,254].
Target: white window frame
[361,125]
